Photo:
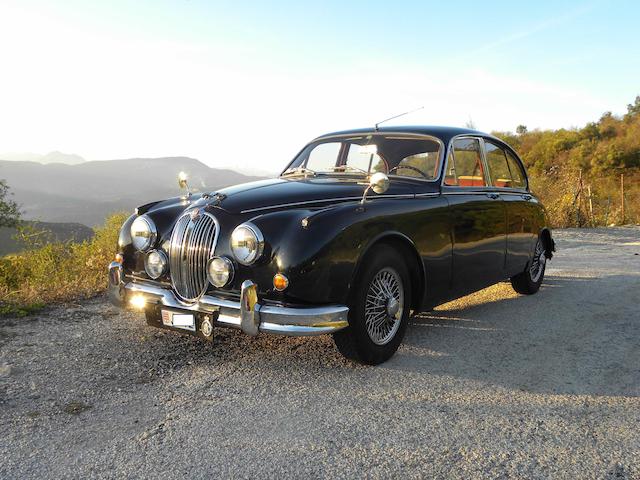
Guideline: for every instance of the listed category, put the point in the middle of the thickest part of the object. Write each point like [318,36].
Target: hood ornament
[194,214]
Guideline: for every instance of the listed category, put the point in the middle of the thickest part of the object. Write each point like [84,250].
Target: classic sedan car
[362,228]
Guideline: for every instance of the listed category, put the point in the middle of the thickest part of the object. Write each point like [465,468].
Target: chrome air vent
[193,241]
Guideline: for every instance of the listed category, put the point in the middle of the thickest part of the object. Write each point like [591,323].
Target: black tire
[355,342]
[529,281]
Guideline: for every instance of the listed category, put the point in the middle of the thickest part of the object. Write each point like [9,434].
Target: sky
[246,84]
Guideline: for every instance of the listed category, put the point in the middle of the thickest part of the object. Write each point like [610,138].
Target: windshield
[406,156]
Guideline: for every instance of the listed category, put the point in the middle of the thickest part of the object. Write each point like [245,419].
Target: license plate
[185,321]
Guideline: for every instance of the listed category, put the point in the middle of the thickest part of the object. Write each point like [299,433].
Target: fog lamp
[219,271]
[155,264]
[138,302]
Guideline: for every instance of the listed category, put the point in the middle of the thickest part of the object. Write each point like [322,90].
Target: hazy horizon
[242,86]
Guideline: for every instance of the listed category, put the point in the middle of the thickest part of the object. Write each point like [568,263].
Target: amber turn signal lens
[119,258]
[280,282]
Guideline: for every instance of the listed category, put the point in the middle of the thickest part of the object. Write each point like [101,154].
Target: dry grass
[58,272]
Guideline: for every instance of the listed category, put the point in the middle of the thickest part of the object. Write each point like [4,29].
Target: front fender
[321,258]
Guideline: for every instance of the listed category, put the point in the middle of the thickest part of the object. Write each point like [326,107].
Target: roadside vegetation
[580,173]
[56,271]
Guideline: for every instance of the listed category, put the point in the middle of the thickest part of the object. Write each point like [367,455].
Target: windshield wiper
[300,171]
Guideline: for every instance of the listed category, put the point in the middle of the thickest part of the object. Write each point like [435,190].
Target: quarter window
[517,173]
[464,167]
[499,171]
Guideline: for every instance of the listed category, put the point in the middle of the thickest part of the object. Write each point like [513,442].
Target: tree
[633,108]
[9,210]
[521,129]
[470,124]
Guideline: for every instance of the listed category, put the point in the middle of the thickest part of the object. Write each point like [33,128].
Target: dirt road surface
[493,385]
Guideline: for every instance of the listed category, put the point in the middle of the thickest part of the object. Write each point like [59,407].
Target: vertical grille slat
[192,243]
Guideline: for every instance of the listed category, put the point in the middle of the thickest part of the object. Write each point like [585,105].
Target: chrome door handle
[493,195]
[526,197]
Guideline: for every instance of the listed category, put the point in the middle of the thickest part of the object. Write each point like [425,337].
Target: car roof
[441,132]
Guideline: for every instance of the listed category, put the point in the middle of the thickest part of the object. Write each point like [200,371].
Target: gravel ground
[493,385]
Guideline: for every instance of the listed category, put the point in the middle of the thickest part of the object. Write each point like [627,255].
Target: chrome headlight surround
[155,264]
[143,233]
[247,243]
[220,271]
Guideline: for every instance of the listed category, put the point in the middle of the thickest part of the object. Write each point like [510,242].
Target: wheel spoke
[385,289]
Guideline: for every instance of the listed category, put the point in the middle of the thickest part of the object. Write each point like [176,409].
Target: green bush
[58,271]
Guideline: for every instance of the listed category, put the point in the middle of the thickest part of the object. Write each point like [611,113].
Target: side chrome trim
[325,200]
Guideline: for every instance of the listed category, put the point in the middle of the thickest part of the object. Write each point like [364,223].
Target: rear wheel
[379,308]
[529,281]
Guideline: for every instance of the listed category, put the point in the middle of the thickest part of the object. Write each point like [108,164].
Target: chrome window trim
[452,140]
[497,142]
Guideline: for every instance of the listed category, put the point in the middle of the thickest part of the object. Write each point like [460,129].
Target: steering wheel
[410,167]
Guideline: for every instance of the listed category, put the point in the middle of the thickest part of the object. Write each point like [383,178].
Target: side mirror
[182,182]
[378,182]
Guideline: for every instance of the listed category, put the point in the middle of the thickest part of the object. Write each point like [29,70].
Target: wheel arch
[413,261]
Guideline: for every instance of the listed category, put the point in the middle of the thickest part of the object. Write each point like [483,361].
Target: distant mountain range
[87,192]
[51,157]
[61,232]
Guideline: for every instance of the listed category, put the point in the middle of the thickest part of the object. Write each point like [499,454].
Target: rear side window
[464,167]
[517,173]
[499,171]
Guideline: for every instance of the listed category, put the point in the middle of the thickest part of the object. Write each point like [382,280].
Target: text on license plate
[179,320]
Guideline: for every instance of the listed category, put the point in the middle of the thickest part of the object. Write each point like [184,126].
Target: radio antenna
[396,116]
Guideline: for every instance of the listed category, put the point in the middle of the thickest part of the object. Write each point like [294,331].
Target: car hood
[292,192]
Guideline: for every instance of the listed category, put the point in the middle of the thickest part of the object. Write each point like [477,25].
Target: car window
[365,154]
[362,157]
[324,156]
[419,165]
[464,167]
[498,167]
[517,173]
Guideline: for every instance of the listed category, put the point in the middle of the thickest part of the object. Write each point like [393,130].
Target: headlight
[143,233]
[247,243]
[155,264]
[219,271]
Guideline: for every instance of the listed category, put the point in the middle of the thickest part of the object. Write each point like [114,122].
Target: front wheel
[379,309]
[529,281]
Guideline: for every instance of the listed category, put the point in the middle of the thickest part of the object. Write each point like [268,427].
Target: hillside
[87,192]
[577,172]
[58,232]
[51,157]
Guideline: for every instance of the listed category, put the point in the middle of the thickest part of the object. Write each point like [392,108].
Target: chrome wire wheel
[384,306]
[537,263]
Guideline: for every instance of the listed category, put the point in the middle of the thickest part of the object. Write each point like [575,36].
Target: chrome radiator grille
[192,243]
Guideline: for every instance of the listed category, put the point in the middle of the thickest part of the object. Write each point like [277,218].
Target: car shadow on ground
[576,336]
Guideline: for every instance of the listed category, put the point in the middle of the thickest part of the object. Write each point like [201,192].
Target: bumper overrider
[249,315]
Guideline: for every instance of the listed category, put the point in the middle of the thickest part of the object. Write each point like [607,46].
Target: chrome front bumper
[249,314]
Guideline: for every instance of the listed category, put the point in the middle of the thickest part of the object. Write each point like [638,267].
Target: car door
[478,218]
[507,176]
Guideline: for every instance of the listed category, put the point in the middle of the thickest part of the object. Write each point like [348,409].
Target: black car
[362,228]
